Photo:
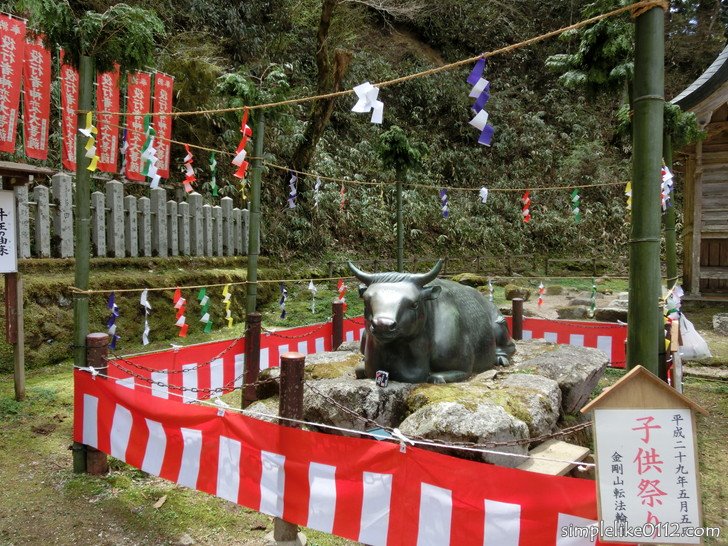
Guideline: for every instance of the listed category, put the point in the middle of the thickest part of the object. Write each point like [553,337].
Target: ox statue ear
[362,289]
[431,292]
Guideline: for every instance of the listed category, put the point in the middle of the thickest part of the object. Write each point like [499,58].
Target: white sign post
[8,234]
[647,471]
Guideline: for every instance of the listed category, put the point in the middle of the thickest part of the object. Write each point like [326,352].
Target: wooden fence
[126,226]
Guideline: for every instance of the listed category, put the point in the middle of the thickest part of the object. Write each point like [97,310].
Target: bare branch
[397,9]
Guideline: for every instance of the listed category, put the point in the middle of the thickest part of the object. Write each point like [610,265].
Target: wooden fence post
[228,242]
[97,348]
[217,248]
[183,228]
[337,332]
[291,406]
[252,358]
[196,240]
[207,229]
[145,228]
[517,316]
[159,223]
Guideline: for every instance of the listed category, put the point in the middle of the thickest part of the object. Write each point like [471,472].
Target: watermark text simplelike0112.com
[663,530]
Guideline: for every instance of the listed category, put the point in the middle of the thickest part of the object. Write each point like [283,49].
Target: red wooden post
[517,316]
[252,358]
[97,349]
[290,405]
[337,332]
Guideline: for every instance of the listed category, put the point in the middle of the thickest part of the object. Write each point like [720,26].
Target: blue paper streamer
[282,301]
[111,322]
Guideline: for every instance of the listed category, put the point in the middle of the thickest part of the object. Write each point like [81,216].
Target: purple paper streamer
[486,135]
[443,199]
[482,100]
[477,72]
[112,319]
[282,301]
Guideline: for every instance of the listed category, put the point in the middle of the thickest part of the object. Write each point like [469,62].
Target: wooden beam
[697,220]
[563,453]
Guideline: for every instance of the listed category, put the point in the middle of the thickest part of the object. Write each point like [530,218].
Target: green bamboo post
[644,314]
[83,240]
[400,226]
[669,221]
[254,215]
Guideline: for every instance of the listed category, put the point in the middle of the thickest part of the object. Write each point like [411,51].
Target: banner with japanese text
[69,119]
[107,100]
[12,45]
[163,94]
[37,99]
[137,105]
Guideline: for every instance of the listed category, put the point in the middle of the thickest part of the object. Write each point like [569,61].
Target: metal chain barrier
[275,333]
[116,358]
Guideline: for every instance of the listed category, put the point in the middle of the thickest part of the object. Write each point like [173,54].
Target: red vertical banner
[69,120]
[137,105]
[37,100]
[163,91]
[12,45]
[107,100]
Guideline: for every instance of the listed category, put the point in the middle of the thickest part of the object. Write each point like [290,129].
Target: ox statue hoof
[502,360]
[436,378]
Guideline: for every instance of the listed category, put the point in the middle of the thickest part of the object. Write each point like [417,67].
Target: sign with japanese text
[12,46]
[163,91]
[8,243]
[647,474]
[69,118]
[37,99]
[107,100]
[137,105]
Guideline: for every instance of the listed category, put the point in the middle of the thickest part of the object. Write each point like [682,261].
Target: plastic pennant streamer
[111,322]
[89,131]
[317,192]
[227,300]
[149,154]
[179,304]
[341,289]
[282,301]
[490,290]
[526,206]
[628,193]
[481,93]
[541,292]
[444,206]
[204,300]
[312,288]
[483,194]
[666,187]
[575,202]
[240,153]
[189,171]
[213,174]
[293,194]
[367,95]
[144,302]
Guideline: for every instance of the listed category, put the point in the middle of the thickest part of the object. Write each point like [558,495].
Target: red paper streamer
[247,132]
[12,46]
[190,172]
[107,100]
[37,99]
[137,105]
[341,288]
[526,202]
[179,304]
[163,96]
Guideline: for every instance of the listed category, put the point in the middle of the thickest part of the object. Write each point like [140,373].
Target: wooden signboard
[647,467]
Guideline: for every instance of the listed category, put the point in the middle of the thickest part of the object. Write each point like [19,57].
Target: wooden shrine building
[705,225]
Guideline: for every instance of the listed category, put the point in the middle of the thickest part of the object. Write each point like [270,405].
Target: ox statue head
[395,303]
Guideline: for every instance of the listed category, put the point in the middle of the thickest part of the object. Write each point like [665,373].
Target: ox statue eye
[415,304]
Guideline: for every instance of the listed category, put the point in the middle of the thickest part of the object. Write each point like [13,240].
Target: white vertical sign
[8,241]
[648,476]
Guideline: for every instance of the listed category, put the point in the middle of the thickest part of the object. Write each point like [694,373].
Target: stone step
[558,450]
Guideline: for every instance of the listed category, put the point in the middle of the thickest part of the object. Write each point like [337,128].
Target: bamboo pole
[82,246]
[669,221]
[254,216]
[644,315]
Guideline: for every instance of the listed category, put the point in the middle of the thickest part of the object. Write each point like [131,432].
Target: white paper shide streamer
[316,193]
[483,194]
[293,194]
[144,302]
[312,288]
[368,102]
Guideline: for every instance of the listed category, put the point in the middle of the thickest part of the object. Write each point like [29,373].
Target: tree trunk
[329,80]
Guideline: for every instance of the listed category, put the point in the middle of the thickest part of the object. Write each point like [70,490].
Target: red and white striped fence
[374,492]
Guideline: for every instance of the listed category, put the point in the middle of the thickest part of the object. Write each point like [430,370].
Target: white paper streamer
[368,102]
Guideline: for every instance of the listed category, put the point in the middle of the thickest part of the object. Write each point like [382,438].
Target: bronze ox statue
[420,329]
